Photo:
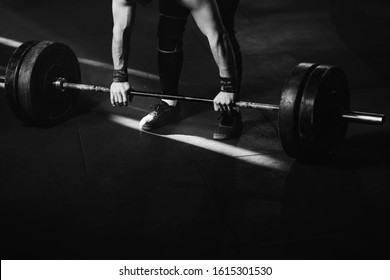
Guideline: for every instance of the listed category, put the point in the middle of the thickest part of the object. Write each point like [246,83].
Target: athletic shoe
[230,126]
[161,115]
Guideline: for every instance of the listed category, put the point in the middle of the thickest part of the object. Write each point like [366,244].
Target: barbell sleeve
[2,81]
[364,117]
[352,116]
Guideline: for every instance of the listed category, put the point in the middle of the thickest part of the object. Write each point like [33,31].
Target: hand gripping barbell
[42,80]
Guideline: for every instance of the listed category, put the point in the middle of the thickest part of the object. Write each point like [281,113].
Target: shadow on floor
[331,210]
[369,150]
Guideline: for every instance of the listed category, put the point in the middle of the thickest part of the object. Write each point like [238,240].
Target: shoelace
[157,108]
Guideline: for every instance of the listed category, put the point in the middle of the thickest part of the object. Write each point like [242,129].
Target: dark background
[92,188]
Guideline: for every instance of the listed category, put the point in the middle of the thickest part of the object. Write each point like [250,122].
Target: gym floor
[95,187]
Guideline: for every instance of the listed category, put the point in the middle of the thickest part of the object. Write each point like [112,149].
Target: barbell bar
[42,81]
[352,116]
[61,84]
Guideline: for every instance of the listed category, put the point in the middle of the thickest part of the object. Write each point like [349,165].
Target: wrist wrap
[120,76]
[228,84]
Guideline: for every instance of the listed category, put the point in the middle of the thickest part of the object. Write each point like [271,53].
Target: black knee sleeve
[169,68]
[170,51]
[170,33]
[229,27]
[238,57]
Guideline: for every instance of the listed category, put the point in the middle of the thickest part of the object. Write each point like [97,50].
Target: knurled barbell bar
[42,80]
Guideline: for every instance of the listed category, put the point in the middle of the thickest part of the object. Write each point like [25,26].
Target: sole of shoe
[217,136]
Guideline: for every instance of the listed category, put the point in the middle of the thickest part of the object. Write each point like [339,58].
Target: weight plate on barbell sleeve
[321,126]
[11,78]
[40,101]
[289,108]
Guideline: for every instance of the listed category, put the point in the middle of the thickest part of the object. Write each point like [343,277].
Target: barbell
[42,80]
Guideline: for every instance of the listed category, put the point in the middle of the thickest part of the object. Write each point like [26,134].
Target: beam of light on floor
[90,62]
[108,66]
[211,145]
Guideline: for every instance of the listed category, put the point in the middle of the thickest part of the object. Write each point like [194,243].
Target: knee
[170,33]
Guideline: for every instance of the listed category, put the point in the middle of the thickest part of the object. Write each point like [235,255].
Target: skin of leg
[208,19]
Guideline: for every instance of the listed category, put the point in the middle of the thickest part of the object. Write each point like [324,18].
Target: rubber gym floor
[96,187]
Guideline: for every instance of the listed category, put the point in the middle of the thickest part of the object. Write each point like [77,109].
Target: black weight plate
[11,78]
[321,126]
[40,101]
[289,108]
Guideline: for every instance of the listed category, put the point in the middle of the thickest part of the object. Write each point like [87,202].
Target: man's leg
[227,9]
[171,26]
[230,123]
[208,18]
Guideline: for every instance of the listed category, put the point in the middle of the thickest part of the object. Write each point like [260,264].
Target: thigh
[205,14]
[171,25]
[172,8]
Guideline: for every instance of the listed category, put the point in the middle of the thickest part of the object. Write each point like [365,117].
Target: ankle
[172,103]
